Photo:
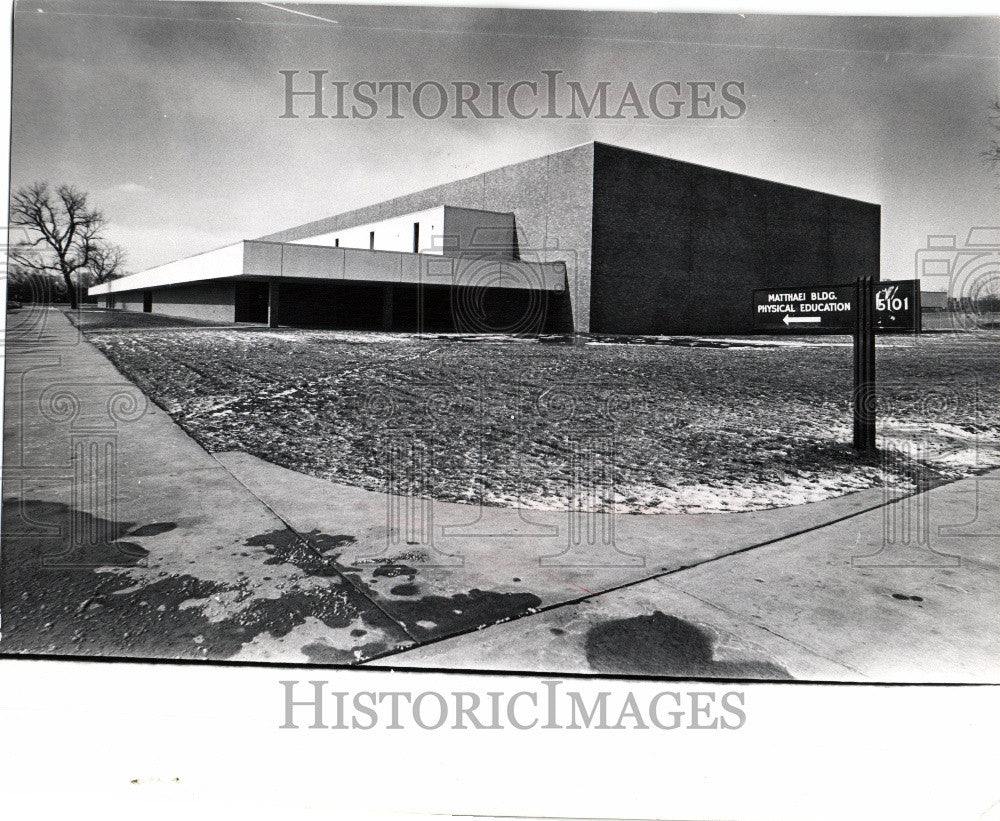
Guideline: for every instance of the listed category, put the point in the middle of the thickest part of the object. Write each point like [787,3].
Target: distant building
[596,238]
[933,301]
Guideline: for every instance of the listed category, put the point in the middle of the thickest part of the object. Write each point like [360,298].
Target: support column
[387,307]
[273,304]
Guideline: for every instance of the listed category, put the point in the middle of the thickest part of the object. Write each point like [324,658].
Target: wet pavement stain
[666,646]
[312,553]
[154,529]
[391,570]
[433,616]
[71,608]
[319,652]
[41,523]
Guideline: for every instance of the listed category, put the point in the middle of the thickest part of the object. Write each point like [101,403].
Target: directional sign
[804,309]
[831,308]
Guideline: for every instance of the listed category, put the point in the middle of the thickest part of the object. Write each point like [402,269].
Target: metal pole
[856,392]
[870,403]
[864,365]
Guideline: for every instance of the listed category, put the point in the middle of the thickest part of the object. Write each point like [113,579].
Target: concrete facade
[677,247]
[551,198]
[447,230]
[615,241]
[210,301]
[394,234]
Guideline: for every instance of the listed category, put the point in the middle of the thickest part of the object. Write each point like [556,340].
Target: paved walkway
[839,603]
[123,537]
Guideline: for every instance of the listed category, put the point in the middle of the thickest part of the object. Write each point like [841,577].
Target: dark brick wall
[550,196]
[678,248]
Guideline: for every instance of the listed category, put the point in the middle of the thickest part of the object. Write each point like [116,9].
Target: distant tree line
[981,304]
[25,285]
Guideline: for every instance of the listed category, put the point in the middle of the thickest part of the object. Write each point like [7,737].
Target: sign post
[864,399]
[862,309]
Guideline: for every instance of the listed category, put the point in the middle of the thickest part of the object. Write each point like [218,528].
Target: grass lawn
[680,426]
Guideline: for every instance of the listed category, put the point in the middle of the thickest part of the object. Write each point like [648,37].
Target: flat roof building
[596,238]
[934,300]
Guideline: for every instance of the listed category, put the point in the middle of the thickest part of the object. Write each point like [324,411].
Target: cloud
[188,97]
[129,189]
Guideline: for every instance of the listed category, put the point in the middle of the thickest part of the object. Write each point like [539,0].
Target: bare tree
[65,233]
[992,154]
[107,263]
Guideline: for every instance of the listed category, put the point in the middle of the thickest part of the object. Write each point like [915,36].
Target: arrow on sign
[788,320]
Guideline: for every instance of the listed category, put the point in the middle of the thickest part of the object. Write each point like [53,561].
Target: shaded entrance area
[251,301]
[414,308]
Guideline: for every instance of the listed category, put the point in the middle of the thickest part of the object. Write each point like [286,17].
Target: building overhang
[266,260]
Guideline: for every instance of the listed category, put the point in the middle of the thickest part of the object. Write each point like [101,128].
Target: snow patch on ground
[701,497]
[951,451]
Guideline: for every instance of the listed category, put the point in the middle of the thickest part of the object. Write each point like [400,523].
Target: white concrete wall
[394,234]
[217,264]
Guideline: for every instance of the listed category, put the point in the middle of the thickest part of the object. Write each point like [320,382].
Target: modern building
[596,238]
[933,301]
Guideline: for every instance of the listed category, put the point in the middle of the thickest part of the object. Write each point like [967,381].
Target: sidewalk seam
[626,585]
[766,629]
[305,540]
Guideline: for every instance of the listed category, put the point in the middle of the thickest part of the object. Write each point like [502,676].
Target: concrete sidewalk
[441,568]
[123,537]
[839,603]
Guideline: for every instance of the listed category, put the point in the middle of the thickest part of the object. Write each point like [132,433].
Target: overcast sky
[168,113]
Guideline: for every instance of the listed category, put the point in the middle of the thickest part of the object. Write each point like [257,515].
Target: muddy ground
[682,425]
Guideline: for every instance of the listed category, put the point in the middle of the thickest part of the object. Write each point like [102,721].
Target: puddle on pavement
[69,608]
[390,570]
[314,554]
[433,616]
[662,645]
[76,610]
[319,652]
